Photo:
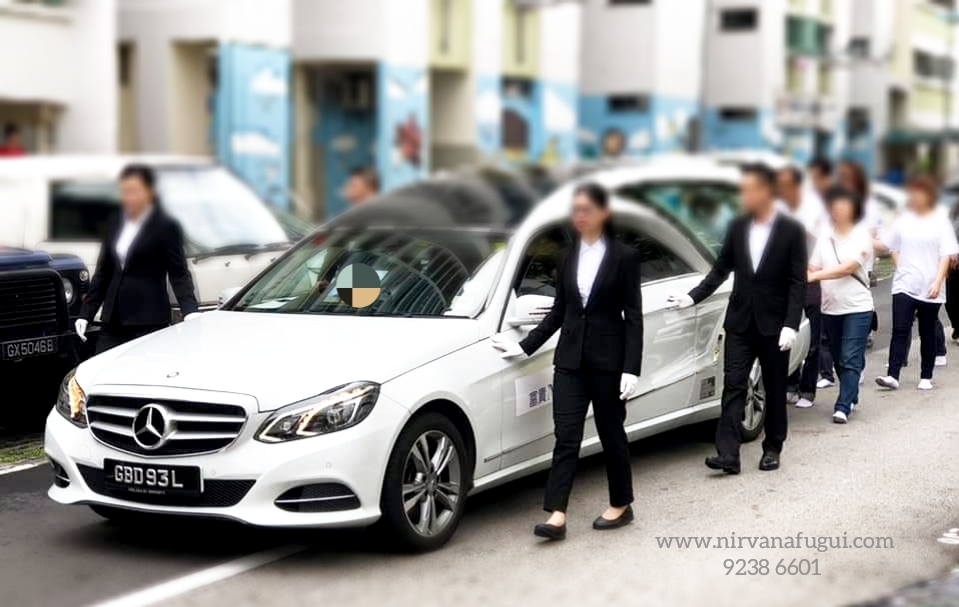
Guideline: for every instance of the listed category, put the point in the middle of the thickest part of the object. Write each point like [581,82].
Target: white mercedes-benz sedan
[290,408]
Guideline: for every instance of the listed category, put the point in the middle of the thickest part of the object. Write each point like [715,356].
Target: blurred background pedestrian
[141,251]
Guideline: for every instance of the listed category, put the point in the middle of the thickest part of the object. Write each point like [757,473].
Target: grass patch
[21,452]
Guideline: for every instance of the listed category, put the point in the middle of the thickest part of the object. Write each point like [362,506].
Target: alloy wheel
[432,483]
[755,401]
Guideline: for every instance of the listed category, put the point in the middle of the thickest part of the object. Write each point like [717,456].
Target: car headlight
[338,409]
[72,401]
[68,291]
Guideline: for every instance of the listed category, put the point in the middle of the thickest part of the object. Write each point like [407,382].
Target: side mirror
[530,310]
[226,295]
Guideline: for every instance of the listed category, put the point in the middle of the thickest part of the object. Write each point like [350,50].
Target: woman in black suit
[139,253]
[599,312]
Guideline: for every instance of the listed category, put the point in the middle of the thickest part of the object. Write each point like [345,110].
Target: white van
[63,204]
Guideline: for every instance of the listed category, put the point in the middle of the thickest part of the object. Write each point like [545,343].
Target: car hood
[277,358]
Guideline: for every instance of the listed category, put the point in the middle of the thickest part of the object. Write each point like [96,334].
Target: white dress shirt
[590,256]
[759,238]
[811,213]
[128,233]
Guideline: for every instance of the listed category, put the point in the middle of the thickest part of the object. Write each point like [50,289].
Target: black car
[40,298]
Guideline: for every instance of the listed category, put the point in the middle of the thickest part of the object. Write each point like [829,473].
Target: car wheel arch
[459,418]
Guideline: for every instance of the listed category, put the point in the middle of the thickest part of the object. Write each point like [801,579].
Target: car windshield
[703,209]
[217,210]
[422,273]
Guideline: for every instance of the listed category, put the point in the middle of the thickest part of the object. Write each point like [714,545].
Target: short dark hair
[794,173]
[143,172]
[10,129]
[836,193]
[821,164]
[594,192]
[368,175]
[761,172]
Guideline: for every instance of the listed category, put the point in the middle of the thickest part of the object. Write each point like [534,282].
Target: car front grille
[28,303]
[192,428]
[216,493]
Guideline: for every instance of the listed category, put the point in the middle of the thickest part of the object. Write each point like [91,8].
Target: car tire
[427,479]
[754,416]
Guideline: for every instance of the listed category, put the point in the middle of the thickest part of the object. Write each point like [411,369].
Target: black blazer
[772,296]
[136,294]
[606,334]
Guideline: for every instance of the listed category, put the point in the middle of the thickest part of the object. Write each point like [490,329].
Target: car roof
[77,166]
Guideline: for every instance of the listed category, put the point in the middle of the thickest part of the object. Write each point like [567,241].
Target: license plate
[25,348]
[152,479]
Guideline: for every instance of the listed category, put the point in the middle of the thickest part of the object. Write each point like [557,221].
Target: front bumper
[355,458]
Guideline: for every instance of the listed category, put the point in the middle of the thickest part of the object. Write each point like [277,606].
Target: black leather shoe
[726,464]
[769,461]
[550,532]
[604,524]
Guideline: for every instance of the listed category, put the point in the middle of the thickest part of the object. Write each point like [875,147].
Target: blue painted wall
[251,127]
[559,114]
[488,112]
[664,127]
[346,140]
[734,134]
[402,120]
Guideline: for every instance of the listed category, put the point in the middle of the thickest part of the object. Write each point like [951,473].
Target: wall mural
[488,113]
[251,127]
[402,117]
[560,119]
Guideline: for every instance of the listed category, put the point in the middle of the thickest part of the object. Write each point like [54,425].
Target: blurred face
[919,200]
[842,212]
[588,217]
[357,190]
[135,196]
[820,180]
[787,186]
[756,195]
[847,177]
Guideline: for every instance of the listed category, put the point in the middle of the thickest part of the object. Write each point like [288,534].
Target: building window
[446,25]
[927,65]
[738,114]
[857,123]
[739,20]
[621,104]
[860,48]
[521,21]
[125,64]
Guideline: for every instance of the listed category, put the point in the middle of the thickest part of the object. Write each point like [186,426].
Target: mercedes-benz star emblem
[152,426]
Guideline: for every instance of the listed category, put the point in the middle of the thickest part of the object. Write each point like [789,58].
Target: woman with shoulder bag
[839,263]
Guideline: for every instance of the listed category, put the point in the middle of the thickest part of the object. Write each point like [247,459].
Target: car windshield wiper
[232,249]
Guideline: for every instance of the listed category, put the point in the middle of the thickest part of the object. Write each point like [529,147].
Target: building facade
[57,106]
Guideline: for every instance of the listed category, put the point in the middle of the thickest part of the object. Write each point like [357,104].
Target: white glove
[81,327]
[679,301]
[627,386]
[506,348]
[192,316]
[786,339]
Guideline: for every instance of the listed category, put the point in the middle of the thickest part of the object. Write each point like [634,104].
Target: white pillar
[89,123]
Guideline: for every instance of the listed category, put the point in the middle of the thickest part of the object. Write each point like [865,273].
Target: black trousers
[742,350]
[114,335]
[806,377]
[905,311]
[572,393]
[952,301]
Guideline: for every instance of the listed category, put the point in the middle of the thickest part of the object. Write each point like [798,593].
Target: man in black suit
[139,253]
[766,251]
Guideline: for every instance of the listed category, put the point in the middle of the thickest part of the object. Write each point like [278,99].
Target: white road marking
[20,467]
[176,587]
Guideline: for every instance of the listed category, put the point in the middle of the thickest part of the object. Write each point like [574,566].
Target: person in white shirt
[838,264]
[923,242]
[805,206]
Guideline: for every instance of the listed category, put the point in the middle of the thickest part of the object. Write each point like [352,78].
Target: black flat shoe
[604,524]
[550,532]
[726,464]
[769,461]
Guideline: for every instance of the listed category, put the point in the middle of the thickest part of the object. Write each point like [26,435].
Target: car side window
[82,211]
[658,262]
[539,268]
